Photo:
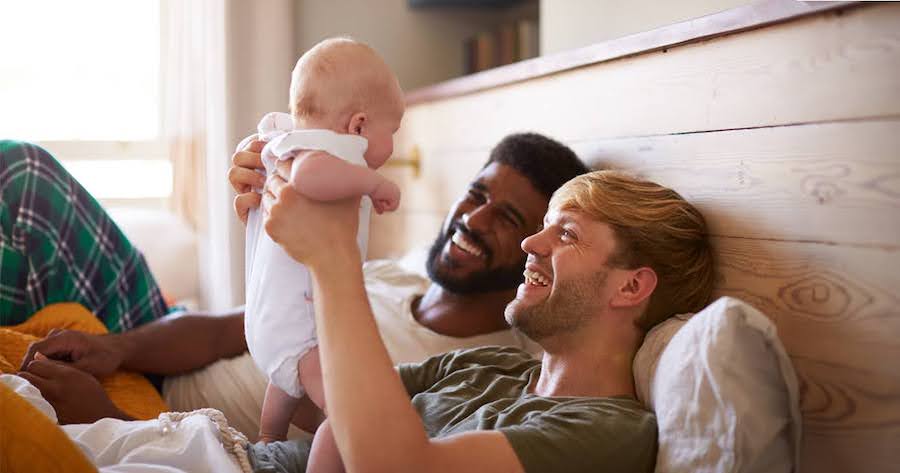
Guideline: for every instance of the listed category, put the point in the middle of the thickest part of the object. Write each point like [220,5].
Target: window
[83,80]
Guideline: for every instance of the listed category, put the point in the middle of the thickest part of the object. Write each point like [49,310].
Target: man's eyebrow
[506,207]
[515,213]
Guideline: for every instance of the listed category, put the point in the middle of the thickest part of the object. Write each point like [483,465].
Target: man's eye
[475,196]
[566,235]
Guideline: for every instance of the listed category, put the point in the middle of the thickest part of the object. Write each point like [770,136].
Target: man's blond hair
[654,227]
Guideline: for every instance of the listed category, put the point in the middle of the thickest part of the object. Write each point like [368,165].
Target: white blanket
[192,445]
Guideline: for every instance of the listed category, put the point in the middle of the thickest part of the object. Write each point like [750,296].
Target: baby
[346,103]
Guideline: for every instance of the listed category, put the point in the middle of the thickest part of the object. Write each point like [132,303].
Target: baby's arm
[321,176]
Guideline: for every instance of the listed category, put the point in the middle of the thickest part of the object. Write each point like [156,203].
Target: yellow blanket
[30,442]
[129,391]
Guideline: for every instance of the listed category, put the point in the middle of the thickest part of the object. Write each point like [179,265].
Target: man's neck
[461,315]
[591,363]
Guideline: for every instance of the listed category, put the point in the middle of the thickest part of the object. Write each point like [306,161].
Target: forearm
[184,342]
[361,387]
[323,177]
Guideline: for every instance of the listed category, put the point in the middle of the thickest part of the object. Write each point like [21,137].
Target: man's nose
[537,244]
[477,219]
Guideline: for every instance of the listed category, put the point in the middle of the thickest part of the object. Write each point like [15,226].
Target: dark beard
[487,280]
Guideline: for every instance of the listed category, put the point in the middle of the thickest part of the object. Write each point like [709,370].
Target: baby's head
[344,85]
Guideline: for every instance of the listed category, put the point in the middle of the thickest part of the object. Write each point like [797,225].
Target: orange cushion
[129,391]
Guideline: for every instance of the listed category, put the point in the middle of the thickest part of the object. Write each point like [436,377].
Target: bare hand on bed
[95,354]
[76,396]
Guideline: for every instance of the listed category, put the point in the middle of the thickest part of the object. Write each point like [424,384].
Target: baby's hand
[386,197]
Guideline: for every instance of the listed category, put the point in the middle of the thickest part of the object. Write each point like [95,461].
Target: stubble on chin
[565,310]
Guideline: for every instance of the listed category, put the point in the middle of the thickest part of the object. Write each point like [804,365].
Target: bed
[781,121]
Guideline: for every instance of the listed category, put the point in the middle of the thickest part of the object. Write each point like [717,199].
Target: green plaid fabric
[57,244]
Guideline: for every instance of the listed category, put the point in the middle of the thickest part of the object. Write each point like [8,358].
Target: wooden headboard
[781,122]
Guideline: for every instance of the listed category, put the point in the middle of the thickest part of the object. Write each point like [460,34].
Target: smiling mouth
[535,278]
[466,244]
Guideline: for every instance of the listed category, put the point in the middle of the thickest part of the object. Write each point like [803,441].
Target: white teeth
[461,241]
[535,278]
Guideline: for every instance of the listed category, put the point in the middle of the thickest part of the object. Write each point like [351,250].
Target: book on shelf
[509,43]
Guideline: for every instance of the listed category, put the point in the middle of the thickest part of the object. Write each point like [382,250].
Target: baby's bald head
[339,77]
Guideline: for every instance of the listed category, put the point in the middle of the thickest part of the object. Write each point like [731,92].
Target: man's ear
[636,289]
[358,123]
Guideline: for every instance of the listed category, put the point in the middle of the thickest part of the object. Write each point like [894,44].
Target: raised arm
[320,176]
[362,389]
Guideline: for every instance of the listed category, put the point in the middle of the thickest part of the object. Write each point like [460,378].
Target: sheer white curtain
[193,43]
[227,62]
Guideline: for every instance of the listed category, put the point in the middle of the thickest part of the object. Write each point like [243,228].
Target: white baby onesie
[279,321]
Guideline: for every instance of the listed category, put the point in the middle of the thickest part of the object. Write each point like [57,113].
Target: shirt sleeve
[576,437]
[418,377]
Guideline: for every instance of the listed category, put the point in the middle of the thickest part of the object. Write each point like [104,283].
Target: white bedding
[117,446]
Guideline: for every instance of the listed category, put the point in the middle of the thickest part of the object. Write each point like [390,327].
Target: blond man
[616,255]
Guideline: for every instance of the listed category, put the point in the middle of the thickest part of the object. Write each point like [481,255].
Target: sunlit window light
[119,179]
[80,70]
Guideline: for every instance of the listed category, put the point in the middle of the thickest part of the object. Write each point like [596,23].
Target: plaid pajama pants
[57,244]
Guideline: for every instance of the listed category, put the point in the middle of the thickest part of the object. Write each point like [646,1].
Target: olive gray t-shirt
[487,389]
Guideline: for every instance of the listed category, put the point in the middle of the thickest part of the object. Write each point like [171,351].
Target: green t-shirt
[486,389]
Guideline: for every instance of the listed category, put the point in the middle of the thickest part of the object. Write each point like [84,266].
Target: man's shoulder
[499,357]
[391,272]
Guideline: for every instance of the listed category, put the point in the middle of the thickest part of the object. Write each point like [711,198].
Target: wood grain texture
[837,311]
[834,183]
[788,140]
[735,81]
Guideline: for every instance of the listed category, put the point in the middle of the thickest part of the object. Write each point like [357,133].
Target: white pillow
[169,246]
[723,390]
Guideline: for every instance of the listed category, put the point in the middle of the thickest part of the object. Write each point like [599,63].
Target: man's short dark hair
[545,162]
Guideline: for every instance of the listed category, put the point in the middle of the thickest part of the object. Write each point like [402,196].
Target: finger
[268,200]
[254,145]
[35,381]
[243,203]
[51,347]
[275,185]
[283,167]
[247,159]
[47,368]
[244,180]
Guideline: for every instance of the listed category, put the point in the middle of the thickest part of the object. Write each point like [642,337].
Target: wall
[422,46]
[786,138]
[569,24]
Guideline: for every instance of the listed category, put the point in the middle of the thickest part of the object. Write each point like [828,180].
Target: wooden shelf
[744,18]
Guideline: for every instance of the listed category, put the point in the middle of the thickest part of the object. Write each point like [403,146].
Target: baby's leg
[278,408]
[324,456]
[311,377]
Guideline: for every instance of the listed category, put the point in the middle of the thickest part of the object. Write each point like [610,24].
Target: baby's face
[380,134]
